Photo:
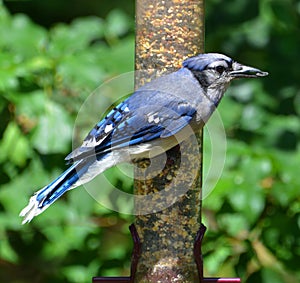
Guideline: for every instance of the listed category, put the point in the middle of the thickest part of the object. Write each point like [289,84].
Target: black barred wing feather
[133,122]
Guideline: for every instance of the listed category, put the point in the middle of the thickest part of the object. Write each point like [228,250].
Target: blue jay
[153,119]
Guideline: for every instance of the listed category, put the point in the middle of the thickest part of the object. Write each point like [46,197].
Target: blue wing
[140,118]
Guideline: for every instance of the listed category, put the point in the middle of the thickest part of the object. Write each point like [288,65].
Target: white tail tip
[31,210]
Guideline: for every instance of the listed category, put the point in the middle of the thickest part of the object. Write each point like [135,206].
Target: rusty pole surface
[166,33]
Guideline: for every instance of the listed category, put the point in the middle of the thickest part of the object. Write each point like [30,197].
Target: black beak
[242,71]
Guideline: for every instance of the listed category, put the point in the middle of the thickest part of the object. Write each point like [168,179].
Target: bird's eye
[220,69]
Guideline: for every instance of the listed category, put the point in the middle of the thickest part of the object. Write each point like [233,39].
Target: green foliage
[253,213]
[45,76]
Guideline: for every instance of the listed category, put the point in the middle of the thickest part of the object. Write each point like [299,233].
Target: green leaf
[28,104]
[22,36]
[81,70]
[234,224]
[117,24]
[79,273]
[66,40]
[54,130]
[14,145]
[214,261]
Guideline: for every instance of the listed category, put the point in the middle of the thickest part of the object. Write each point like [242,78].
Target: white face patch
[126,109]
[218,63]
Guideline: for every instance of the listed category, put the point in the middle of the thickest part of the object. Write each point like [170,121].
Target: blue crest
[201,61]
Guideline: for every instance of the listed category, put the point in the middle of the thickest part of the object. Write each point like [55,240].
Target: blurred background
[53,54]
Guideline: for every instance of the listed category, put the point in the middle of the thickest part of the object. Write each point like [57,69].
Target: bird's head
[215,71]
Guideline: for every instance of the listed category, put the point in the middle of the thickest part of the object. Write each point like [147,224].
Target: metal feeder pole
[166,33]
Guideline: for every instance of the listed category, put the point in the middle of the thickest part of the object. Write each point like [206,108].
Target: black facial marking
[201,78]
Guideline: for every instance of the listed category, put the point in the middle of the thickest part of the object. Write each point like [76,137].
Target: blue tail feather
[49,194]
